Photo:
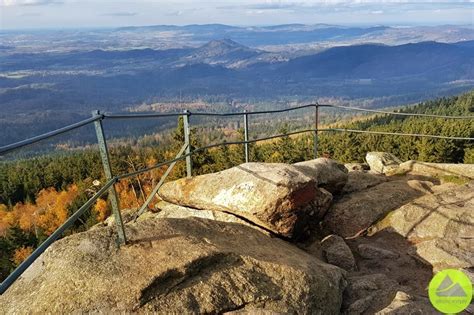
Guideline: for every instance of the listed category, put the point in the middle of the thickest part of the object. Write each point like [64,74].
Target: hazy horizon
[73,14]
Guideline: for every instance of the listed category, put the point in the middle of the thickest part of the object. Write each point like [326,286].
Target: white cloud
[10,3]
[120,14]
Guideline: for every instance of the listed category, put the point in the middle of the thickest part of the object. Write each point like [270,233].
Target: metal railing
[184,154]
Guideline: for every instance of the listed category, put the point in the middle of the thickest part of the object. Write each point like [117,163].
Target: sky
[60,14]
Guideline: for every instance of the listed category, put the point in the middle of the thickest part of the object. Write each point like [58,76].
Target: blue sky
[38,14]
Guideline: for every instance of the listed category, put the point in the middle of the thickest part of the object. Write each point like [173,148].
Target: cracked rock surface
[176,266]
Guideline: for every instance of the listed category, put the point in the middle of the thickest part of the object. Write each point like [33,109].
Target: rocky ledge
[314,237]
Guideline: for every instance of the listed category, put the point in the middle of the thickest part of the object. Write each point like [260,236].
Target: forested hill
[347,147]
[38,194]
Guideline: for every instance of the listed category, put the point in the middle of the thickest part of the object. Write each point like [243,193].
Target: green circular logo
[450,291]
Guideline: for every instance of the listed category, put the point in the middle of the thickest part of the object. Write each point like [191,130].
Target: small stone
[337,252]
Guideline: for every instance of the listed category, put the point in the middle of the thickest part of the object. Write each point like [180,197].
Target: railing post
[187,141]
[316,127]
[246,135]
[104,154]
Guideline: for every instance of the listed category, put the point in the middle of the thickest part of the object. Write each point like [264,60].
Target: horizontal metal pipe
[254,113]
[38,251]
[26,142]
[149,115]
[396,134]
[23,143]
[397,113]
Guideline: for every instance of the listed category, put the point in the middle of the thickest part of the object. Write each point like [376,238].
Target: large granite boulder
[274,196]
[172,211]
[328,174]
[440,225]
[355,212]
[382,162]
[179,266]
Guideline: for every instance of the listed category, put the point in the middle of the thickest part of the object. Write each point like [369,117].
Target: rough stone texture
[358,181]
[356,212]
[368,293]
[169,210]
[322,203]
[275,196]
[438,169]
[408,270]
[327,173]
[127,216]
[357,167]
[179,266]
[406,304]
[440,225]
[382,162]
[337,252]
[374,252]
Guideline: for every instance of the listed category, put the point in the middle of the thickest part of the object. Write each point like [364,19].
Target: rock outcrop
[275,196]
[179,266]
[220,243]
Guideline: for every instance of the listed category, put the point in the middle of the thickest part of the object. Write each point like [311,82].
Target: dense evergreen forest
[38,194]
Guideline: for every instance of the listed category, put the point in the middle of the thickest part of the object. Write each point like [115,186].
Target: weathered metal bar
[254,113]
[187,142]
[246,135]
[397,134]
[30,141]
[53,237]
[316,125]
[146,115]
[160,183]
[397,113]
[104,154]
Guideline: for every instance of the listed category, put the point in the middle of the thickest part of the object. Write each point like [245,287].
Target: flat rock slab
[441,225]
[180,266]
[356,212]
[438,169]
[275,196]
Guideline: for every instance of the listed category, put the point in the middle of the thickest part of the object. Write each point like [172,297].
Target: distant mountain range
[42,84]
